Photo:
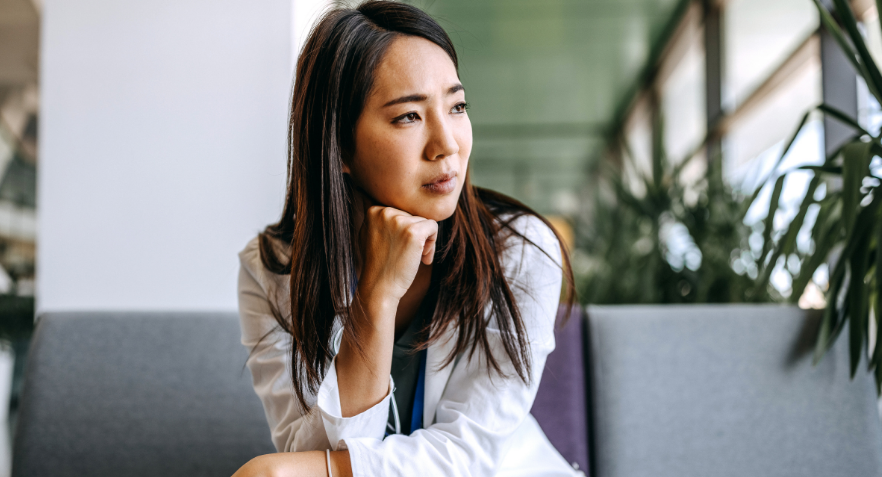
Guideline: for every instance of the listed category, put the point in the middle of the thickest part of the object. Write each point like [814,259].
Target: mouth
[442,184]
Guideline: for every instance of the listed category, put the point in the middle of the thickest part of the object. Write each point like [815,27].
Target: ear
[346,168]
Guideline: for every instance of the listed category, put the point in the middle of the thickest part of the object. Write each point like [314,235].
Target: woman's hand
[392,244]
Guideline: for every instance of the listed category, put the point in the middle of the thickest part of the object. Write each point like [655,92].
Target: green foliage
[847,231]
[16,317]
[625,250]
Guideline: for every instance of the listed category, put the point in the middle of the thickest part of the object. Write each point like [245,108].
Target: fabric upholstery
[718,391]
[673,391]
[560,407]
[137,394]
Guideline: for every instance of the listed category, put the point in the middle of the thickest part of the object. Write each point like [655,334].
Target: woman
[398,318]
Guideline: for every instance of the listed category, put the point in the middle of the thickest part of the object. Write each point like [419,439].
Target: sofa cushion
[138,394]
[725,391]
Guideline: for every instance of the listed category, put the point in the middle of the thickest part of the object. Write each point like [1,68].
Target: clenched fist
[392,243]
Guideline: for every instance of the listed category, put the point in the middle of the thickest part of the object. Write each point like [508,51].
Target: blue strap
[416,418]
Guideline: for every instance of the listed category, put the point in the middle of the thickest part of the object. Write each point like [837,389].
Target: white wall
[162,143]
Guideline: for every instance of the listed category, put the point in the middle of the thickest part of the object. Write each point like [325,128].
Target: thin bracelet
[328,456]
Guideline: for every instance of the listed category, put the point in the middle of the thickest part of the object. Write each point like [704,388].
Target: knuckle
[411,233]
[399,221]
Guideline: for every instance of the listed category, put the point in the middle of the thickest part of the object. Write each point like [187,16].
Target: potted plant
[847,231]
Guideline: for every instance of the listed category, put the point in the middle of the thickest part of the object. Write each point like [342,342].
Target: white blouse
[475,424]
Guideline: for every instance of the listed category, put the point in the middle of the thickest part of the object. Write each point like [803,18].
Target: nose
[442,141]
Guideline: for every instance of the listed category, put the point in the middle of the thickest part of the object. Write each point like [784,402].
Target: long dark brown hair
[333,79]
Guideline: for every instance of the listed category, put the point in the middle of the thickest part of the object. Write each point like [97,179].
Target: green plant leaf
[827,169]
[845,262]
[870,70]
[857,296]
[855,166]
[876,361]
[843,118]
[837,316]
[864,223]
[769,221]
[787,243]
[879,6]
[826,234]
[832,27]
[878,375]
[826,334]
[784,152]
[789,239]
[675,173]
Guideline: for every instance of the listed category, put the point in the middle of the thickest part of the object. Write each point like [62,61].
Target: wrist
[376,302]
[340,464]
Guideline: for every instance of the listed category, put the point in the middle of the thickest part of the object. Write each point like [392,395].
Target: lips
[442,184]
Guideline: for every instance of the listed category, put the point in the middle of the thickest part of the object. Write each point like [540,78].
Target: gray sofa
[629,391]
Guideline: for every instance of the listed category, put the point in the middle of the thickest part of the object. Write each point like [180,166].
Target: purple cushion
[560,406]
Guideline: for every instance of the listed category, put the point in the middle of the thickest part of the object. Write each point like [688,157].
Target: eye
[407,118]
[460,108]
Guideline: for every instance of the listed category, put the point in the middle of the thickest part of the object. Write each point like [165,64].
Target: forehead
[413,65]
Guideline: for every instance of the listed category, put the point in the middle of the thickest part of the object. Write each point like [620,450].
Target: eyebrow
[416,98]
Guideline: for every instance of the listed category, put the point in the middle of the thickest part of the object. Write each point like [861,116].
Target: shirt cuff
[369,423]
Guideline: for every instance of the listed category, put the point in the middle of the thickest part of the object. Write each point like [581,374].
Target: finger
[429,253]
[429,246]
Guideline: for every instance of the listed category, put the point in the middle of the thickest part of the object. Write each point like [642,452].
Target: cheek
[465,144]
[381,163]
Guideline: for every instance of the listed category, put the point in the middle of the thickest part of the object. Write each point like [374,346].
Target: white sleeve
[322,426]
[477,415]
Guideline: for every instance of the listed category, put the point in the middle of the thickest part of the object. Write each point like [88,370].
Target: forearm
[363,378]
[297,464]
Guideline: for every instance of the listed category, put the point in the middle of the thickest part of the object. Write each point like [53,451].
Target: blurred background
[142,143]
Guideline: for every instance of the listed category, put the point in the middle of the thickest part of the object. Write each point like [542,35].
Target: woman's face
[413,138]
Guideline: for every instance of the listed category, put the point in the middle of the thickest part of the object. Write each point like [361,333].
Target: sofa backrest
[560,407]
[725,391]
[137,394]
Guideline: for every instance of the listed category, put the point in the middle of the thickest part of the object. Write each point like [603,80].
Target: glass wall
[758,36]
[544,79]
[683,103]
[769,76]
[756,139]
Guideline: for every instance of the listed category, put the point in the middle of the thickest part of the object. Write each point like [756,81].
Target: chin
[437,210]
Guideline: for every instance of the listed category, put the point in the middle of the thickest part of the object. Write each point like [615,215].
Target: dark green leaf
[846,261]
[687,160]
[788,241]
[869,69]
[769,222]
[826,236]
[836,315]
[658,151]
[877,279]
[832,27]
[826,334]
[857,295]
[878,377]
[827,169]
[844,118]
[879,5]
[855,166]
[780,158]
[865,219]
